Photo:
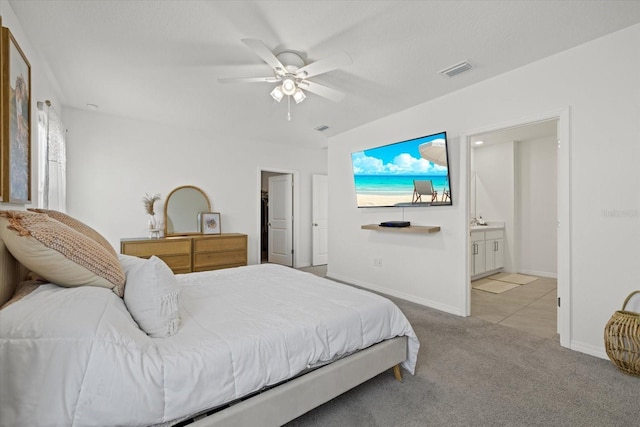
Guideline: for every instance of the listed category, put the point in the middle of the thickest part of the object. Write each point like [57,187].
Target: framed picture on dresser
[15,96]
[210,222]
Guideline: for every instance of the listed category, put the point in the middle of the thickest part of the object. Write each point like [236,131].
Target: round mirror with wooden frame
[182,209]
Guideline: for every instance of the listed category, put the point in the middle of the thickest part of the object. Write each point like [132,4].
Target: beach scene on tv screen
[408,173]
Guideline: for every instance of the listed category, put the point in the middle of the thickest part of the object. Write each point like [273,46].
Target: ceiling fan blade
[323,91]
[327,64]
[267,56]
[249,80]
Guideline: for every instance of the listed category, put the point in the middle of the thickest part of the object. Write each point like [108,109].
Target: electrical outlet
[377,262]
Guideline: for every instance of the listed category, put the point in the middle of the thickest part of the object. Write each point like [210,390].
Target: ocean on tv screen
[385,190]
[387,175]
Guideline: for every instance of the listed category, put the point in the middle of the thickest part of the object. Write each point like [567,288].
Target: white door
[319,221]
[281,219]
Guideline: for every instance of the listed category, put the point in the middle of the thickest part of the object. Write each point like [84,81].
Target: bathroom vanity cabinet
[487,250]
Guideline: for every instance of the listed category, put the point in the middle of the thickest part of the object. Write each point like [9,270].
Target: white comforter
[76,357]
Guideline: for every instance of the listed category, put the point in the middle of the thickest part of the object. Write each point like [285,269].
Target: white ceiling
[160,60]
[526,132]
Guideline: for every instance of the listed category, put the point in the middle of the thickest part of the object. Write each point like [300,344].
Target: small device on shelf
[395,224]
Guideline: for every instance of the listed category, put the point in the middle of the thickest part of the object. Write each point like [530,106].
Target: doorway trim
[296,211]
[319,228]
[564,261]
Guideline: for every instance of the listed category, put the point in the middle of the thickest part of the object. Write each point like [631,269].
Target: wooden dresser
[186,254]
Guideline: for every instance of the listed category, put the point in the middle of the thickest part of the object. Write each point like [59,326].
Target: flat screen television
[412,173]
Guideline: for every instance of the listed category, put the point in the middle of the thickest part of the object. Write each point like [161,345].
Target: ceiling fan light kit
[299,96]
[292,75]
[277,93]
[289,85]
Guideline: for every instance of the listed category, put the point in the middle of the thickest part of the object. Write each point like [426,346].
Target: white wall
[604,102]
[536,206]
[112,162]
[43,87]
[493,169]
[417,267]
[516,183]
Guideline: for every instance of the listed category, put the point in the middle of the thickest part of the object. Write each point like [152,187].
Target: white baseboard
[303,265]
[539,273]
[412,298]
[485,274]
[528,272]
[592,350]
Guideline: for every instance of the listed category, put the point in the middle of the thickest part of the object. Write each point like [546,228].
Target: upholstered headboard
[11,273]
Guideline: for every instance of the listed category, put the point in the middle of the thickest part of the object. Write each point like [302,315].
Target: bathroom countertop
[486,227]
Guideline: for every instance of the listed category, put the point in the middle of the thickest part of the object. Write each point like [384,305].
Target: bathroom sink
[486,227]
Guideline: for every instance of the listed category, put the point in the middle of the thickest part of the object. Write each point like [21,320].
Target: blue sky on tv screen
[402,158]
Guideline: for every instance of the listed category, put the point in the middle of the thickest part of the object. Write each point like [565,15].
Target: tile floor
[530,308]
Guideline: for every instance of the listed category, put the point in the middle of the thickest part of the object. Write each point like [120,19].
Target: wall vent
[322,128]
[456,69]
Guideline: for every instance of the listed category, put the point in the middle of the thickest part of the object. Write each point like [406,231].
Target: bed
[255,345]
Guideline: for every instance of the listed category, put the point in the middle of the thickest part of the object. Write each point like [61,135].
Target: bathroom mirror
[181,210]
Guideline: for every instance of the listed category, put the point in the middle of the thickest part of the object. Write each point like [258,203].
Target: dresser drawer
[216,260]
[176,253]
[177,263]
[150,247]
[192,253]
[220,244]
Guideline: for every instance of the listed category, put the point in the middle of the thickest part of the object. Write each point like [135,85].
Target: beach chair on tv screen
[423,187]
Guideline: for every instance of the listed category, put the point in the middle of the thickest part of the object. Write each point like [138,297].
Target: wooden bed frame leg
[397,373]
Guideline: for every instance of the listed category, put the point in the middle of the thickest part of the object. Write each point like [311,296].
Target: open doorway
[563,218]
[277,203]
[514,194]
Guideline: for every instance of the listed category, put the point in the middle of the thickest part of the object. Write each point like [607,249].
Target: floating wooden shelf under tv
[410,229]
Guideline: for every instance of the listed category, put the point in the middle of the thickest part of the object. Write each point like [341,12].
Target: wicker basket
[622,339]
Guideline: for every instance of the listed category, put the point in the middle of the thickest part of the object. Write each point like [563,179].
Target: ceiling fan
[292,73]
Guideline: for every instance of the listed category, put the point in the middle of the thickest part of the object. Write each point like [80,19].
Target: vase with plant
[149,202]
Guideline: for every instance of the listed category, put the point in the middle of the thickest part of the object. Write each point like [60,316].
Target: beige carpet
[476,373]
[519,279]
[493,286]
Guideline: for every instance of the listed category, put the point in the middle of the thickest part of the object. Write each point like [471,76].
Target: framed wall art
[1,114]
[210,223]
[16,121]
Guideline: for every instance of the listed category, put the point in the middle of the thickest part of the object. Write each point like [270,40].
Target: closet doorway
[276,218]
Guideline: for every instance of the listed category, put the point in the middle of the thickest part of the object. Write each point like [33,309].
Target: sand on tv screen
[404,174]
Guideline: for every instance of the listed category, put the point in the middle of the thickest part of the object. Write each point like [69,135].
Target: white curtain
[52,186]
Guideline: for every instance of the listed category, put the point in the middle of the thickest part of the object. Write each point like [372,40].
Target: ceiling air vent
[322,128]
[456,69]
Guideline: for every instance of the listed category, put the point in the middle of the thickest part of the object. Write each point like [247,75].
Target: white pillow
[151,295]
